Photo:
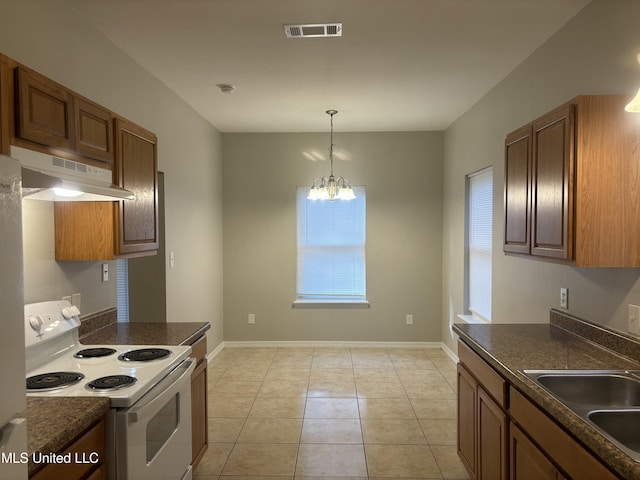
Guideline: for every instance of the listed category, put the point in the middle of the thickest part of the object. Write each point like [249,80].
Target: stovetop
[51,348]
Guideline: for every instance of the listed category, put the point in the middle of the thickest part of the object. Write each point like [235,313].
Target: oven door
[153,437]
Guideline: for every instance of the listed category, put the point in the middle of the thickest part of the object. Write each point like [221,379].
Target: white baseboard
[214,353]
[449,353]
[325,344]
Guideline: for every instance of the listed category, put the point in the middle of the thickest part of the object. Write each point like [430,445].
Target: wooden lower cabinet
[89,447]
[508,436]
[527,461]
[199,399]
[482,430]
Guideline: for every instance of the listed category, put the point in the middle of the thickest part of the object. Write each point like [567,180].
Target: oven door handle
[157,397]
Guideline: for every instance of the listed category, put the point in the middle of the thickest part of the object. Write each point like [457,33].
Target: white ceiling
[400,64]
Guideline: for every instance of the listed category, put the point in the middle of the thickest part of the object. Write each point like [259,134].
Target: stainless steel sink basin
[621,425]
[609,400]
[602,389]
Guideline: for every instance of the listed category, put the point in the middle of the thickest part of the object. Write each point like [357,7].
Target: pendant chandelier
[331,188]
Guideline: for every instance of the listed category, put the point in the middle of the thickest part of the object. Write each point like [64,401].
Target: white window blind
[122,290]
[331,248]
[480,209]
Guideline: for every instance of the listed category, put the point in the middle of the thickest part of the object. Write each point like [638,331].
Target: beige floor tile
[244,373]
[429,390]
[213,460]
[271,430]
[412,376]
[391,431]
[331,408]
[227,407]
[332,389]
[323,430]
[440,432]
[214,374]
[376,374]
[426,408]
[235,389]
[284,388]
[332,375]
[278,407]
[224,430]
[331,361]
[284,374]
[373,389]
[371,360]
[261,460]
[331,460]
[406,461]
[293,361]
[449,463]
[386,408]
[252,477]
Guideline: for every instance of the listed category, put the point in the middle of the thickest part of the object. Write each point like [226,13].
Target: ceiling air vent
[313,30]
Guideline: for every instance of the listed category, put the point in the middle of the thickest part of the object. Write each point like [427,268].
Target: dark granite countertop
[147,333]
[511,348]
[53,423]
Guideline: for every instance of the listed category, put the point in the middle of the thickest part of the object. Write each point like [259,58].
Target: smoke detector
[313,30]
[226,88]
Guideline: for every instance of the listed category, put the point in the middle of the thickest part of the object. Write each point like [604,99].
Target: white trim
[331,304]
[319,344]
[450,353]
[472,319]
[214,353]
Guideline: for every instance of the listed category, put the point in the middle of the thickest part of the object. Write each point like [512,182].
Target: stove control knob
[36,322]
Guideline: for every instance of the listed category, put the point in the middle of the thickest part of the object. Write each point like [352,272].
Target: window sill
[473,319]
[331,303]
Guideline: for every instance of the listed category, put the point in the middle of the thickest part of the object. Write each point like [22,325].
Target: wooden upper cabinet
[43,110]
[584,185]
[5,89]
[552,186]
[136,169]
[517,191]
[93,130]
[607,183]
[53,116]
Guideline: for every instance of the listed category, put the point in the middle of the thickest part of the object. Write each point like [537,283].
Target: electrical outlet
[409,319]
[252,318]
[172,259]
[564,297]
[634,319]
[76,299]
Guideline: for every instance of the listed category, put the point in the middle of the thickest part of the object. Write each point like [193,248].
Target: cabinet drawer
[492,382]
[84,449]
[568,454]
[199,349]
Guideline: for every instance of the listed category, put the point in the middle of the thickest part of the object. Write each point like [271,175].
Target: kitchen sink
[621,425]
[593,388]
[608,400]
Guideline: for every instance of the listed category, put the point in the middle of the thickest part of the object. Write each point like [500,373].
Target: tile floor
[288,413]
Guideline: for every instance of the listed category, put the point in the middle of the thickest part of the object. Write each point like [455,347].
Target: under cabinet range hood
[46,177]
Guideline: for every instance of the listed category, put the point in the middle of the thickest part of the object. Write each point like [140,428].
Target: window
[122,289]
[331,249]
[479,237]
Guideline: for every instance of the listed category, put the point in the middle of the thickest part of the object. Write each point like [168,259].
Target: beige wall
[402,173]
[53,39]
[595,53]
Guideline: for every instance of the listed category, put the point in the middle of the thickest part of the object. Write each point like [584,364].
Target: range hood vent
[47,177]
[313,30]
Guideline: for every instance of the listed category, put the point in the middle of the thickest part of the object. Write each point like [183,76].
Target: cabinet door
[552,193]
[517,191]
[4,106]
[527,461]
[467,420]
[199,433]
[492,439]
[43,110]
[93,130]
[136,169]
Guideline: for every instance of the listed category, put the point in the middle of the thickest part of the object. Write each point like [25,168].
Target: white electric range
[149,388]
